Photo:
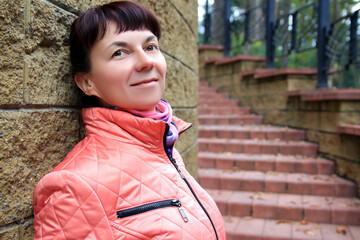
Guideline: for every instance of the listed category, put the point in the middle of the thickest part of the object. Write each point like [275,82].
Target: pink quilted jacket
[119,183]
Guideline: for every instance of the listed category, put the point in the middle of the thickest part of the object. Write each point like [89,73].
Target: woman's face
[127,69]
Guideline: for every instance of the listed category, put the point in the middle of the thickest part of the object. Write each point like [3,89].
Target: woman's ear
[84,82]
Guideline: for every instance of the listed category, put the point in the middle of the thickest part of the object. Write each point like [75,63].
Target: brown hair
[90,27]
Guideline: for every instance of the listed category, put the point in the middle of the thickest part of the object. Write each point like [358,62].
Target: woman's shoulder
[80,150]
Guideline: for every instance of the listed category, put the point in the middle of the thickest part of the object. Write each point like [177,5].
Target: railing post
[353,38]
[293,32]
[227,30]
[207,24]
[322,42]
[270,24]
[246,27]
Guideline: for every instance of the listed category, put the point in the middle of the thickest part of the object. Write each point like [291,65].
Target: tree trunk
[285,41]
[218,23]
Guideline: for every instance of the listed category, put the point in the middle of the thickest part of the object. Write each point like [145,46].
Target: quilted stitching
[122,168]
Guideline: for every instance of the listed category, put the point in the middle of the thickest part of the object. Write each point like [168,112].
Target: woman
[124,180]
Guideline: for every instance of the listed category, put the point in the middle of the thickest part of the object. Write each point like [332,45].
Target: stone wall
[39,102]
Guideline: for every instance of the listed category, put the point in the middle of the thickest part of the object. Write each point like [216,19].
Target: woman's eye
[151,48]
[118,53]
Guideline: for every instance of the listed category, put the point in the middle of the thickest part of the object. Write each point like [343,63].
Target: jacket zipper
[152,206]
[172,160]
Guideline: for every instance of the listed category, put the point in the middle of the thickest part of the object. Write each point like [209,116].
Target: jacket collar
[125,127]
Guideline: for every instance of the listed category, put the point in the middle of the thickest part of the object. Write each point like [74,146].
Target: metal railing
[307,28]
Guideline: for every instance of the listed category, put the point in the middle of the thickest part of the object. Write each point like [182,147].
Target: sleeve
[66,207]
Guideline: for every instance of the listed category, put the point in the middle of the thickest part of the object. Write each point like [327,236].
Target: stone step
[223,110]
[250,132]
[248,228]
[209,102]
[266,162]
[319,209]
[276,182]
[207,89]
[203,83]
[257,146]
[212,95]
[230,119]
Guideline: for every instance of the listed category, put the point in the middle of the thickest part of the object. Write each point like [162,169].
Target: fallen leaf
[257,196]
[317,227]
[284,221]
[310,233]
[248,218]
[341,230]
[315,205]
[272,173]
[303,222]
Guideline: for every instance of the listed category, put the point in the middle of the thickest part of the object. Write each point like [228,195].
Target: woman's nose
[144,61]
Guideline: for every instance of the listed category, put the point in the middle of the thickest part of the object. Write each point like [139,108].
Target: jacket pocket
[152,206]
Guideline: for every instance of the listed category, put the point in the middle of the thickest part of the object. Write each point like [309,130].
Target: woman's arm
[66,207]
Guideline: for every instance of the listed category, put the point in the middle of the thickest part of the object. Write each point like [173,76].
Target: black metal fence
[334,45]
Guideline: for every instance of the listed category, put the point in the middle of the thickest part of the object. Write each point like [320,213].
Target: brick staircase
[266,180]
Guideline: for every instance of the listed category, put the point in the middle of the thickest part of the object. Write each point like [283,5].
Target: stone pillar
[39,101]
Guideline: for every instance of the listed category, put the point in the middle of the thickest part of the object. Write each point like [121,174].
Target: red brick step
[266,162]
[250,132]
[276,182]
[212,95]
[249,228]
[217,102]
[223,110]
[230,119]
[257,146]
[335,210]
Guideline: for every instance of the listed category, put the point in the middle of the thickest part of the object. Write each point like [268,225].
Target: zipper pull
[177,203]
[177,168]
[183,214]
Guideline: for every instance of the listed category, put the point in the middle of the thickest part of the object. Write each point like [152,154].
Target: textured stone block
[329,121]
[181,84]
[191,160]
[189,137]
[208,54]
[345,146]
[309,120]
[12,16]
[349,106]
[224,69]
[272,87]
[74,6]
[31,144]
[178,40]
[350,170]
[48,79]
[9,232]
[349,118]
[274,102]
[26,229]
[276,117]
[188,9]
[301,82]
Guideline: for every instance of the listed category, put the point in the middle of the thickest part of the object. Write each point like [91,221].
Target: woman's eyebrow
[151,38]
[125,44]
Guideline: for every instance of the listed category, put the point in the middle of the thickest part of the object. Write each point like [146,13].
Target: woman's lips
[145,83]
